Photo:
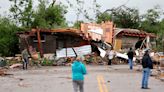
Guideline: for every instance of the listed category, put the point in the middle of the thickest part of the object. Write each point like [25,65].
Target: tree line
[24,16]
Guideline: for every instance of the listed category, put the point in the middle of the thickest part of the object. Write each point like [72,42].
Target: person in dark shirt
[147,65]
[130,58]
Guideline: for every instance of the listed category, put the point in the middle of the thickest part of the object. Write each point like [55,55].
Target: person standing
[25,58]
[130,58]
[78,72]
[111,54]
[147,65]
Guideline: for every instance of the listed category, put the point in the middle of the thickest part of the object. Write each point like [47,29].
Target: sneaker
[145,88]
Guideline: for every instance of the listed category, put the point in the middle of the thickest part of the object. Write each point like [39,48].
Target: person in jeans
[78,72]
[147,65]
[130,58]
[25,58]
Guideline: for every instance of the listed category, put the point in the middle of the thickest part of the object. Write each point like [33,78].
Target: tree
[122,16]
[77,24]
[160,36]
[49,16]
[102,17]
[8,40]
[78,7]
[23,16]
[82,12]
[152,15]
[22,12]
[150,21]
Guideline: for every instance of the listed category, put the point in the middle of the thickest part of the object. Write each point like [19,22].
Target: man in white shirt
[111,54]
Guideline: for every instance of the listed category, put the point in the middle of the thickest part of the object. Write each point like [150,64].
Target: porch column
[39,43]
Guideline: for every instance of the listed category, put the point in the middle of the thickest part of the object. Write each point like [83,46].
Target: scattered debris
[16,65]
[21,84]
[9,58]
[162,79]
[21,79]
[68,64]
[65,77]
[154,72]
[3,72]
[108,81]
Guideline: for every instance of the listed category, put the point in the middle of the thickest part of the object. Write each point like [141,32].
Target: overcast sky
[142,5]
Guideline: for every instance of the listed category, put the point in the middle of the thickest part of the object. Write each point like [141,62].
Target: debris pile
[3,72]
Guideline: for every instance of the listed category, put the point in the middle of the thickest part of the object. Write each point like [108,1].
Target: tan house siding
[106,35]
[108,31]
[118,44]
[129,41]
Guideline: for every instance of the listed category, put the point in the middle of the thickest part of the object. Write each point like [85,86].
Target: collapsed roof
[131,32]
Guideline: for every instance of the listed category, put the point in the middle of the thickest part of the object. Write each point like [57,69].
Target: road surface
[115,78]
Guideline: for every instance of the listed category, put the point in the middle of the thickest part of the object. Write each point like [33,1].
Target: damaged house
[49,41]
[126,38]
[119,38]
[72,42]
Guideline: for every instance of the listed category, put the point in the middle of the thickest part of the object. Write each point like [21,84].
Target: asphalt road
[115,78]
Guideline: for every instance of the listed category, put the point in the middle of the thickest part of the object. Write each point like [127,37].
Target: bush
[47,62]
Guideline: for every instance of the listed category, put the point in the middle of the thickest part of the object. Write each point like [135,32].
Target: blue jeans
[25,62]
[145,77]
[130,63]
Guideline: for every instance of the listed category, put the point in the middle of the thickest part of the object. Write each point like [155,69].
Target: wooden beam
[39,43]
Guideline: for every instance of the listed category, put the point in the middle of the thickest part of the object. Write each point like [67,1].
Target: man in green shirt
[25,58]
